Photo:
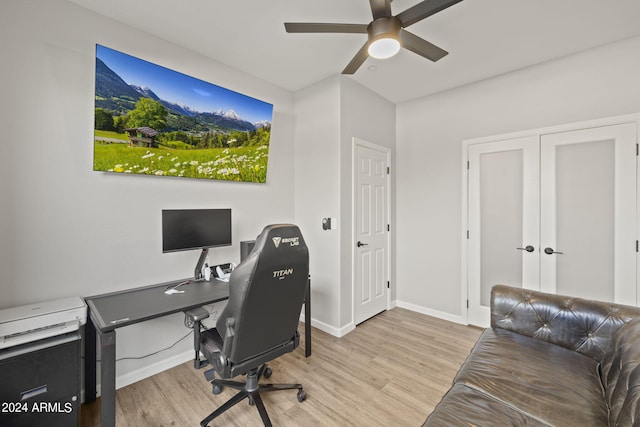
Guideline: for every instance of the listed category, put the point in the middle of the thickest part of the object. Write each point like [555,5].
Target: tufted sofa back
[585,326]
[620,370]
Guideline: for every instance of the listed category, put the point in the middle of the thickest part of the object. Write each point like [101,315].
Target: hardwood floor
[391,370]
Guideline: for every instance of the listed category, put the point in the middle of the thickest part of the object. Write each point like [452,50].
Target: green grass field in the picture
[247,164]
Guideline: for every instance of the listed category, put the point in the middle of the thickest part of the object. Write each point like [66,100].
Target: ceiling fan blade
[422,10]
[301,27]
[420,46]
[380,8]
[357,60]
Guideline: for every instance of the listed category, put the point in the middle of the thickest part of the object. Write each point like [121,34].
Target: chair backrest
[266,293]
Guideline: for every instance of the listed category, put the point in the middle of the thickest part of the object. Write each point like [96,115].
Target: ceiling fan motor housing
[384,27]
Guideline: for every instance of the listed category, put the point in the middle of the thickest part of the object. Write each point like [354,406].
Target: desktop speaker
[245,248]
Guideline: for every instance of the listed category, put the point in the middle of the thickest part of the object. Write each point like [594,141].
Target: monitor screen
[186,229]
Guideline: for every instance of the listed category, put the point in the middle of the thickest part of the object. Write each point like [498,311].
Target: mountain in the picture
[172,107]
[145,91]
[262,124]
[230,114]
[115,95]
[221,120]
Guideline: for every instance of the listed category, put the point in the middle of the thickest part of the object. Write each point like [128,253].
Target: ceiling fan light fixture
[384,37]
[383,47]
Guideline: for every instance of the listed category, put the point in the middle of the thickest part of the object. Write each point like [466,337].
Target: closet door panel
[588,226]
[503,212]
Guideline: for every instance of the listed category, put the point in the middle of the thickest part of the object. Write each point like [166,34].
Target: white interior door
[371,239]
[588,213]
[503,220]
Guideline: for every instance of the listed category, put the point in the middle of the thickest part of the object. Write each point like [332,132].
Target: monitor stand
[197,275]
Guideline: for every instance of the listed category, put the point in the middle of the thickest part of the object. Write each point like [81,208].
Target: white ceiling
[484,38]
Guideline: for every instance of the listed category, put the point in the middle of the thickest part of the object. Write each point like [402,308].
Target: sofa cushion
[465,406]
[621,376]
[546,381]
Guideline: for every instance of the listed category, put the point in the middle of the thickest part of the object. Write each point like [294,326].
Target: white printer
[28,323]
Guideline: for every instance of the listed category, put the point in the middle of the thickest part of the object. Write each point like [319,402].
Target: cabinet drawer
[43,375]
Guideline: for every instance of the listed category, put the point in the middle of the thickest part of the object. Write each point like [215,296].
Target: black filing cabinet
[40,383]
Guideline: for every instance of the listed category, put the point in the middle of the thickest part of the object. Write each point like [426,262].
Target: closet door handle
[550,251]
[362,244]
[527,248]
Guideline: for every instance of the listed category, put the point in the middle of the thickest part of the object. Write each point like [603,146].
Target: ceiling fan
[386,33]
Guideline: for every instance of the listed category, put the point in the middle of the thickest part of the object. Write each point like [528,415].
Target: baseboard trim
[153,369]
[147,371]
[431,312]
[336,332]
[331,330]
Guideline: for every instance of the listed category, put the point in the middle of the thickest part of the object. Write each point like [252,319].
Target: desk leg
[307,320]
[89,361]
[108,379]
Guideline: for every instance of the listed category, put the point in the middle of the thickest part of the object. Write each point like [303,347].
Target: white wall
[597,83]
[317,188]
[66,230]
[328,115]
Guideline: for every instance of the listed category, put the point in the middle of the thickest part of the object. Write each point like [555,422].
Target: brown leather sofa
[548,360]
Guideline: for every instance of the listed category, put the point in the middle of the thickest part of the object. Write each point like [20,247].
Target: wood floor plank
[391,370]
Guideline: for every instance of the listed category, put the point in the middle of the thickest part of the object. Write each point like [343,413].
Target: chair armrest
[229,337]
[583,325]
[197,314]
[219,359]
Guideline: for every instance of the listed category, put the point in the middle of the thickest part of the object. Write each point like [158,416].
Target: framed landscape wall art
[154,121]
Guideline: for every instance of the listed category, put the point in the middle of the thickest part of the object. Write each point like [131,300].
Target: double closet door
[553,212]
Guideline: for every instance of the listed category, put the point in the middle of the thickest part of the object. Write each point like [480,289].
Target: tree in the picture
[103,119]
[148,113]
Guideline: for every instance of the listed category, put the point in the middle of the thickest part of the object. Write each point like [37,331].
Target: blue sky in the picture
[176,87]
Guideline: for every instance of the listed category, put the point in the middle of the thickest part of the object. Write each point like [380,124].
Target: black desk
[107,312]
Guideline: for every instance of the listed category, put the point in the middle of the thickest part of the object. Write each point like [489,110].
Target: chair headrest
[280,238]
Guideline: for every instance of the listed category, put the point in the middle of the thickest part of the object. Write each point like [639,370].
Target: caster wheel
[302,395]
[251,402]
[217,389]
[267,372]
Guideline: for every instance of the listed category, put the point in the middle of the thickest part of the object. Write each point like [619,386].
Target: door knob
[362,244]
[527,248]
[550,251]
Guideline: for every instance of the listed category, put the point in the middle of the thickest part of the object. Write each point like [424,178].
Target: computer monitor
[190,229]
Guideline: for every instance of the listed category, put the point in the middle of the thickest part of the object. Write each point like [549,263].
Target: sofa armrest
[586,326]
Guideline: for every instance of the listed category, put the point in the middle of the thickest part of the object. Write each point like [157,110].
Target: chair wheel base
[267,372]
[251,390]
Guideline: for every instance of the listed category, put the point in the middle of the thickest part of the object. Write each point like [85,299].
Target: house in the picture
[142,136]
